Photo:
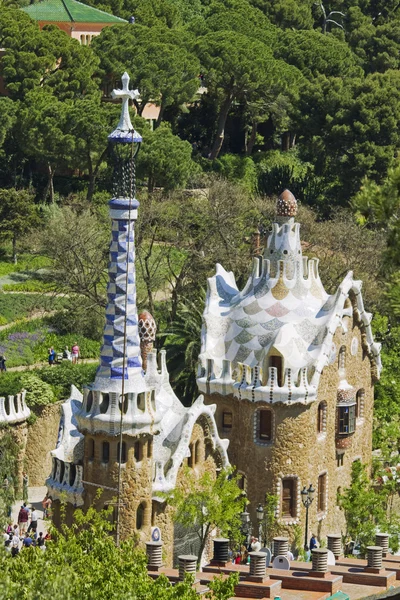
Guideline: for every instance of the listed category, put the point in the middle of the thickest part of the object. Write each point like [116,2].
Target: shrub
[38,392]
[63,376]
[239,169]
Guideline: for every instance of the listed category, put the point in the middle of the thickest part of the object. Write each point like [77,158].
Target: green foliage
[206,503]
[238,169]
[38,392]
[223,588]
[18,214]
[19,306]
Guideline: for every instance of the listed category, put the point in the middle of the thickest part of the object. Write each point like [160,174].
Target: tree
[18,215]
[165,160]
[160,64]
[208,503]
[43,127]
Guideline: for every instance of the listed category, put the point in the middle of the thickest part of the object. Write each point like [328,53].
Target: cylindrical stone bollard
[320,560]
[335,544]
[374,557]
[281,546]
[258,564]
[382,540]
[221,550]
[154,554]
[187,564]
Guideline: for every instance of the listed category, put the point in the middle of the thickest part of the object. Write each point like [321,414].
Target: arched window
[360,401]
[62,469]
[264,418]
[342,358]
[105,452]
[141,401]
[123,453]
[89,401]
[321,418]
[123,404]
[91,447]
[105,401]
[72,474]
[140,516]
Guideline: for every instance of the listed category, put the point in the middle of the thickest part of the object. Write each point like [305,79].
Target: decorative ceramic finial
[124,131]
[147,334]
[286,205]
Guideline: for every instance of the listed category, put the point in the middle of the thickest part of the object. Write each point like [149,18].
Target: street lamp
[307,496]
[246,526]
[260,518]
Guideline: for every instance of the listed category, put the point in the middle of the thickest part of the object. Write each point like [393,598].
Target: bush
[239,169]
[19,306]
[88,348]
[38,392]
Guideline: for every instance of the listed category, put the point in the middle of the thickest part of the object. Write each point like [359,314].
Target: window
[347,418]
[105,400]
[339,459]
[342,358]
[82,40]
[242,483]
[141,401]
[123,453]
[91,448]
[140,516]
[62,469]
[277,362]
[138,451]
[360,401]
[264,429]
[288,499]
[197,452]
[321,418]
[322,493]
[191,457]
[123,405]
[72,474]
[89,401]
[105,453]
[227,420]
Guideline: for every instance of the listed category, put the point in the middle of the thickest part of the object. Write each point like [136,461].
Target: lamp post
[246,526]
[307,496]
[260,518]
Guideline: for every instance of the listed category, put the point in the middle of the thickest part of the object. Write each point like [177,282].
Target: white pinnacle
[126,94]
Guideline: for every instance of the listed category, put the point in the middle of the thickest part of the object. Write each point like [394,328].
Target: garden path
[35,497]
[44,364]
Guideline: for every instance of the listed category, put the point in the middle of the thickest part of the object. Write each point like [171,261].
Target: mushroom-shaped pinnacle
[286,205]
[147,334]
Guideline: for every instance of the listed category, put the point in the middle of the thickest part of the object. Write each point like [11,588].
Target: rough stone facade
[42,437]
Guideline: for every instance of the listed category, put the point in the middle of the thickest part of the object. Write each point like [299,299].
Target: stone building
[291,370]
[130,416]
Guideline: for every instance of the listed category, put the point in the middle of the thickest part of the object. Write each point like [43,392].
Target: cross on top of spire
[125,126]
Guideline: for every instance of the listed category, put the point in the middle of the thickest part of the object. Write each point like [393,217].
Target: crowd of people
[67,354]
[24,533]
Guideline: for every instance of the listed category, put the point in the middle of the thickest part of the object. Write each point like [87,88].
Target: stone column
[154,555]
[221,550]
[258,565]
[382,540]
[280,546]
[320,560]
[335,544]
[374,557]
[187,564]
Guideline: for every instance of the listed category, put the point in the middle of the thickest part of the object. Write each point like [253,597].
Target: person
[52,356]
[15,545]
[25,485]
[9,528]
[66,354]
[3,367]
[75,353]
[28,541]
[34,521]
[255,545]
[46,503]
[6,535]
[23,517]
[40,543]
[313,542]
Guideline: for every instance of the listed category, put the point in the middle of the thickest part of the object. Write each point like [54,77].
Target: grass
[26,262]
[30,285]
[19,306]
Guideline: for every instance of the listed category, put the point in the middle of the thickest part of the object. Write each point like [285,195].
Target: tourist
[46,503]
[75,353]
[6,535]
[313,542]
[9,528]
[34,521]
[3,367]
[52,356]
[255,545]
[40,543]
[23,517]
[15,545]
[28,541]
[25,485]
[66,354]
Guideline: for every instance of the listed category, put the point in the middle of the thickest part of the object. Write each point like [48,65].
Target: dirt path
[82,361]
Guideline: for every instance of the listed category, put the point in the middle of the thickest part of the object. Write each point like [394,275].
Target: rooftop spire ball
[286,205]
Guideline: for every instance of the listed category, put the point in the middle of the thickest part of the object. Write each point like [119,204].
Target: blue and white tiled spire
[121,288]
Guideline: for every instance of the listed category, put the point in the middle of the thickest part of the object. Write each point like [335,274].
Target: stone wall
[297,450]
[42,438]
